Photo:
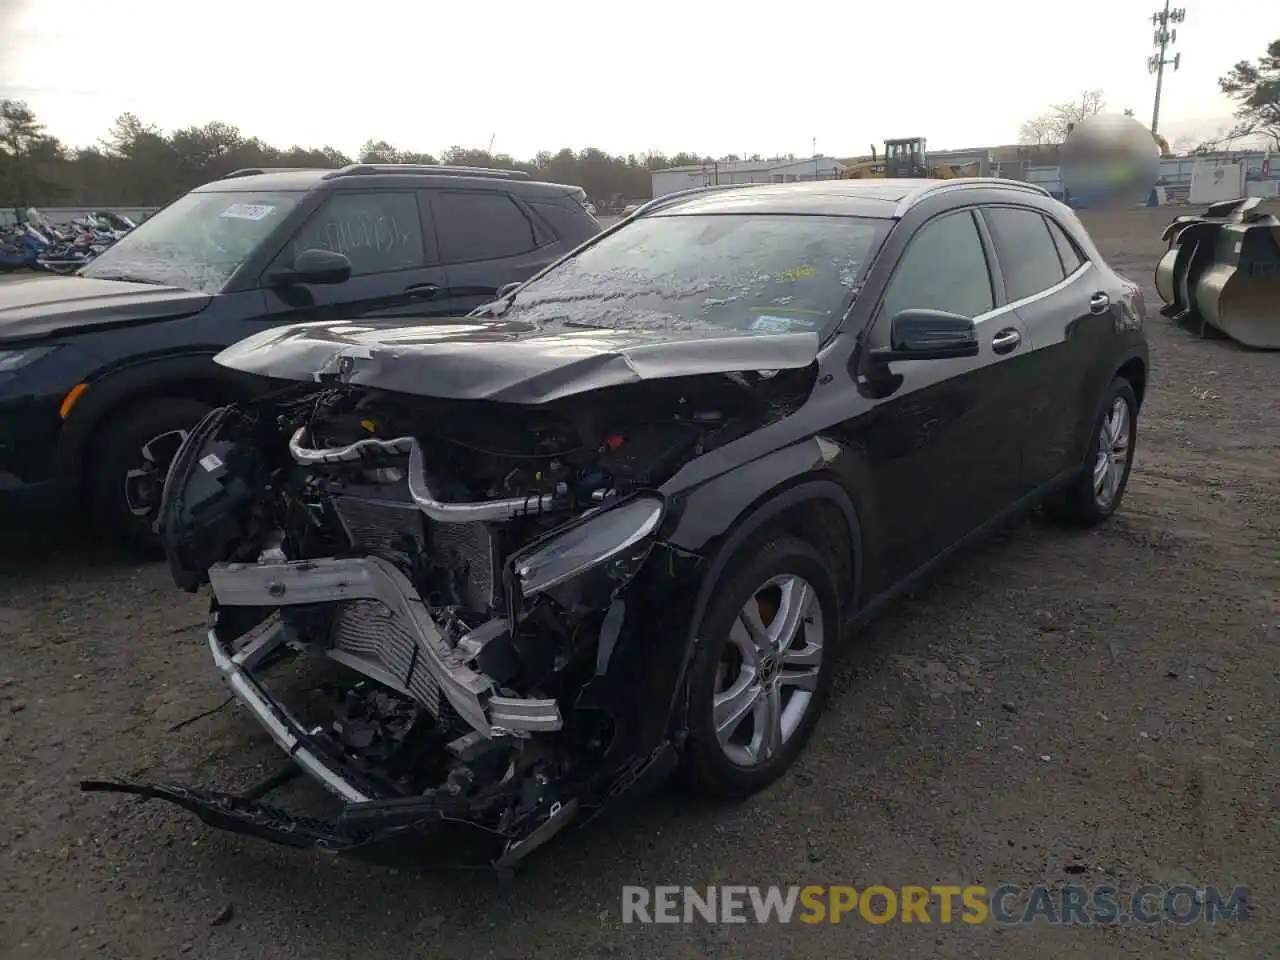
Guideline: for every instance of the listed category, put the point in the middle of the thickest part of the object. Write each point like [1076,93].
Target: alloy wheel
[144,482]
[1112,459]
[767,676]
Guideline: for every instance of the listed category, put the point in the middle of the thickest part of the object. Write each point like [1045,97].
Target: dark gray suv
[103,373]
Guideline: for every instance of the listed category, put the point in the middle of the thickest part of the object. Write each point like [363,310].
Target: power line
[1164,37]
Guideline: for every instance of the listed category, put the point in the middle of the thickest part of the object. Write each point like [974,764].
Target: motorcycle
[22,247]
[37,243]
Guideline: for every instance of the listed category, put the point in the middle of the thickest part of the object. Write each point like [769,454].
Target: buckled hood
[510,361]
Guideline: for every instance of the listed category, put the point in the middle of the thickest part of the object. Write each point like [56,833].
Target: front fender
[109,392]
[648,643]
[792,491]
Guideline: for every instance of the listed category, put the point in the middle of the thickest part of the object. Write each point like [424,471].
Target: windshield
[197,242]
[741,273]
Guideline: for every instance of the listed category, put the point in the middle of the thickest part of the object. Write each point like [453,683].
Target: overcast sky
[714,78]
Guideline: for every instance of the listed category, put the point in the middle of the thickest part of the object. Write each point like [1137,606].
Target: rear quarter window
[1071,256]
[567,218]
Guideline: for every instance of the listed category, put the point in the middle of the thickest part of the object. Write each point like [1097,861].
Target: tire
[1082,503]
[115,487]
[722,771]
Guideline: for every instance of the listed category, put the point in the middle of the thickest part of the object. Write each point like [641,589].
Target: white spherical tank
[1110,160]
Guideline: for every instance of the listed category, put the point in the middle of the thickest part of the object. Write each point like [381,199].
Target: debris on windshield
[677,274]
[766,323]
[849,273]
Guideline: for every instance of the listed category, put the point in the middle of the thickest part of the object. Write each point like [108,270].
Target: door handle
[421,291]
[1099,303]
[1006,341]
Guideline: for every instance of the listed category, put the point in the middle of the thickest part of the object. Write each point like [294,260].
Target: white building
[780,170]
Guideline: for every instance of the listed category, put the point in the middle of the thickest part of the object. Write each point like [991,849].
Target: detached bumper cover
[437,829]
[397,830]
[412,831]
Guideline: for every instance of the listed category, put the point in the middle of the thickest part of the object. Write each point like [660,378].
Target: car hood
[504,360]
[46,306]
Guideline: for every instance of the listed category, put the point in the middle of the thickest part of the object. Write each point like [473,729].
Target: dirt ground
[1057,708]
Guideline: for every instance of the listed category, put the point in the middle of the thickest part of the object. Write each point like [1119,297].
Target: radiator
[381,525]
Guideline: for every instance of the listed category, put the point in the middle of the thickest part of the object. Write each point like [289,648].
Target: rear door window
[377,232]
[1026,251]
[480,225]
[944,268]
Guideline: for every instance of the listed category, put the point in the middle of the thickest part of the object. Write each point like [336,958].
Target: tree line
[137,164]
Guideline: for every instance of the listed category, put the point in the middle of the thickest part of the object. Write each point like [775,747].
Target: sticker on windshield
[768,323]
[248,211]
[211,462]
[798,273]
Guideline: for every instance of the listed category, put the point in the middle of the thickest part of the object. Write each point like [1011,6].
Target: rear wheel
[1096,493]
[129,466]
[762,669]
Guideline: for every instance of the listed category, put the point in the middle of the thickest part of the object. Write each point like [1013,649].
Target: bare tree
[1052,126]
[1037,131]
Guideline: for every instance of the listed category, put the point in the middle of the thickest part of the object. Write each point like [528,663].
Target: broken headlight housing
[614,541]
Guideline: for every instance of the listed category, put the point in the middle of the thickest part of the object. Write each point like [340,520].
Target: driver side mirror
[921,334]
[313,266]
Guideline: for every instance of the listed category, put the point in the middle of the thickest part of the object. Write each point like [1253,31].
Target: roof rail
[668,199]
[937,186]
[256,171]
[444,170]
[925,189]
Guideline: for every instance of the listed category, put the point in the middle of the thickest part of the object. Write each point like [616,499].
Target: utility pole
[1164,37]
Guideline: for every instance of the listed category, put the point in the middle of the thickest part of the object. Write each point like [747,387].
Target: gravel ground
[1056,708]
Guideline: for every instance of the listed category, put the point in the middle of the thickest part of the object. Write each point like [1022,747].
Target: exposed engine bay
[452,564]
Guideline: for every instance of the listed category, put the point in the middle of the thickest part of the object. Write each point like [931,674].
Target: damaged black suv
[613,524]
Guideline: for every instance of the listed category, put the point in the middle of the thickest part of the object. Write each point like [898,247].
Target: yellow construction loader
[907,157]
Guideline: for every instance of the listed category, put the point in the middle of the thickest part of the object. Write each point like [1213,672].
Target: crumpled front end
[479,597]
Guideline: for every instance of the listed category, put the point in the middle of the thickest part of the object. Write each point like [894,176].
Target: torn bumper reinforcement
[426,667]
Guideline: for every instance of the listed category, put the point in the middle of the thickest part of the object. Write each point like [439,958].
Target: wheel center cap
[769,669]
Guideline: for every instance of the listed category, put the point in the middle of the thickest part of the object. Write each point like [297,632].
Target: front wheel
[762,668]
[1096,493]
[129,466]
